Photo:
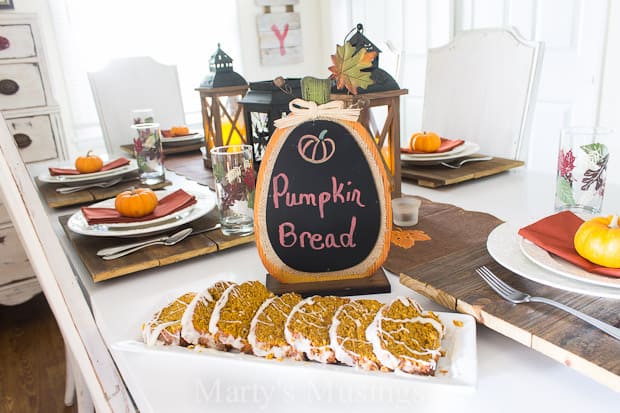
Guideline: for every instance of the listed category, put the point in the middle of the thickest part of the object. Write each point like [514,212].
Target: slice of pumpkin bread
[406,338]
[307,327]
[233,313]
[195,320]
[267,328]
[165,325]
[348,334]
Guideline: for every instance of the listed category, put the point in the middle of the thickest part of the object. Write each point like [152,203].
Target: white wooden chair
[97,379]
[135,83]
[481,87]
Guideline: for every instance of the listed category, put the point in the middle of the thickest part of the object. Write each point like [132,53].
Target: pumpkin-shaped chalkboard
[322,207]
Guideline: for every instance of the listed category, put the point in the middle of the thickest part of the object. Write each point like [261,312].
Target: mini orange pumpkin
[179,131]
[598,241]
[136,203]
[89,163]
[424,142]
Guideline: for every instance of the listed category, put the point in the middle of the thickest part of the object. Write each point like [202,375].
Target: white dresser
[33,117]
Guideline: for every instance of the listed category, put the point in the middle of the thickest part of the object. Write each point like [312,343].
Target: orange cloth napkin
[555,234]
[117,163]
[173,202]
[446,145]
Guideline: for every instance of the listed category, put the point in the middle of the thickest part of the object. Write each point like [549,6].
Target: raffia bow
[302,111]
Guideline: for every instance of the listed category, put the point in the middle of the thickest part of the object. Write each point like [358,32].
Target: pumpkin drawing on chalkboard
[322,207]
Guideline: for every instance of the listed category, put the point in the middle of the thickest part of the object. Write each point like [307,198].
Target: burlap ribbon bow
[302,111]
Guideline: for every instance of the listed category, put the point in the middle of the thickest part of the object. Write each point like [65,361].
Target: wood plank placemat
[90,195]
[433,176]
[169,150]
[447,277]
[154,256]
[377,283]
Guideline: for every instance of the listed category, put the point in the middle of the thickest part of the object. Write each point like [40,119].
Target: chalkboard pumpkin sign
[322,207]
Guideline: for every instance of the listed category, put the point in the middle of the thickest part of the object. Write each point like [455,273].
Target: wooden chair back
[481,87]
[58,282]
[135,83]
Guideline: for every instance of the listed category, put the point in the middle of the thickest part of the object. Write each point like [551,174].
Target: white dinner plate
[205,203]
[470,148]
[560,266]
[422,156]
[457,368]
[182,140]
[503,245]
[132,166]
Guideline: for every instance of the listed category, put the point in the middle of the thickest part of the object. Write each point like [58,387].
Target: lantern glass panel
[260,133]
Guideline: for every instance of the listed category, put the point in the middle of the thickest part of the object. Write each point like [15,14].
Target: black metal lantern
[219,93]
[382,79]
[264,103]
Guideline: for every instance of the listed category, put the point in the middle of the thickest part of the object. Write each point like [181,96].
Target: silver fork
[518,297]
[460,163]
[71,189]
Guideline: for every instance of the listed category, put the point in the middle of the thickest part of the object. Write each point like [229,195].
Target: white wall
[316,59]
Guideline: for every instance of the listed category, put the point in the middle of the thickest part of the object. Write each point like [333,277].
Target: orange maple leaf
[407,238]
[349,65]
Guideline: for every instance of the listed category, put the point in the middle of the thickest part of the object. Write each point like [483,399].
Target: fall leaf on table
[348,67]
[407,238]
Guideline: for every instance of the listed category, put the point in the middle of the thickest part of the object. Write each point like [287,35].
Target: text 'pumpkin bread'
[233,313]
[195,320]
[307,327]
[165,326]
[348,334]
[406,338]
[267,328]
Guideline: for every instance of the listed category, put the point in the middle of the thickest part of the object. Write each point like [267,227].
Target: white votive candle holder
[405,211]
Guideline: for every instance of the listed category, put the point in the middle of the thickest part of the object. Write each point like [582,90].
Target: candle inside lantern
[405,211]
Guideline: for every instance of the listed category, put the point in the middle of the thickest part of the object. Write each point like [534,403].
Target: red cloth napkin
[173,202]
[117,163]
[555,234]
[446,145]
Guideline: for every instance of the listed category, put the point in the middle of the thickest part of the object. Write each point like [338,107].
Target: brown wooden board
[377,283]
[90,195]
[442,269]
[169,149]
[154,256]
[433,176]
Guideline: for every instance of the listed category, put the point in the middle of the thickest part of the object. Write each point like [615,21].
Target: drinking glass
[582,169]
[149,153]
[235,188]
[139,116]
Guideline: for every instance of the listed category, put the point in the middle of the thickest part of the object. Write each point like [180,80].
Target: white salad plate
[560,266]
[421,156]
[182,140]
[468,148]
[132,166]
[503,245]
[204,204]
[457,368]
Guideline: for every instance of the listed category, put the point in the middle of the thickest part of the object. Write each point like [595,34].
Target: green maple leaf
[348,67]
[564,191]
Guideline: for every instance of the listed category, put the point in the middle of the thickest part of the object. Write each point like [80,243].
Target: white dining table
[511,376]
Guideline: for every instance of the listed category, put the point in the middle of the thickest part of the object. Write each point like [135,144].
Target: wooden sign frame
[373,261]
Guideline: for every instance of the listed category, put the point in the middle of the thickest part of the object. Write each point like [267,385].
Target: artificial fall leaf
[348,67]
[407,238]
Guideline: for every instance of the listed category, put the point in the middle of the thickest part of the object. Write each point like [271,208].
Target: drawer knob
[22,140]
[8,87]
[4,43]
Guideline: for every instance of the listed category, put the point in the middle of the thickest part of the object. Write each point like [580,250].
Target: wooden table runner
[154,256]
[442,269]
[191,166]
[433,176]
[90,195]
